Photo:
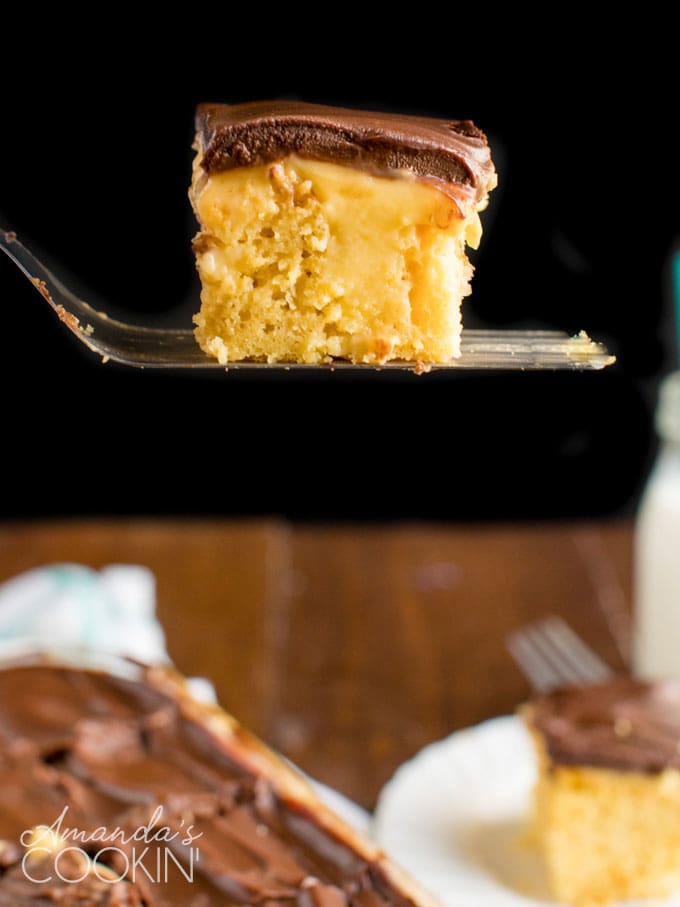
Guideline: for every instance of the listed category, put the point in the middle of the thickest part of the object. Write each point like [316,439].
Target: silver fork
[149,347]
[551,655]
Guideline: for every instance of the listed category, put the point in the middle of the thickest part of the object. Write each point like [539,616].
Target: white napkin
[76,610]
[112,611]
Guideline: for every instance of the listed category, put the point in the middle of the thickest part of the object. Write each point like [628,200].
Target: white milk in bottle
[656,650]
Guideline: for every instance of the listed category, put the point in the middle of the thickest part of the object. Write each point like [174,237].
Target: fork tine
[563,667]
[588,665]
[551,655]
[532,662]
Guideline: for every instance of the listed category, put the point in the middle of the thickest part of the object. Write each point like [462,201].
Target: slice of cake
[329,233]
[151,798]
[607,801]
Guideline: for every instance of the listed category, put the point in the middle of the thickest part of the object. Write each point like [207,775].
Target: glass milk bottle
[656,650]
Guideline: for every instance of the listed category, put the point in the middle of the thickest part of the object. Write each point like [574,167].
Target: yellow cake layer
[306,261]
[607,835]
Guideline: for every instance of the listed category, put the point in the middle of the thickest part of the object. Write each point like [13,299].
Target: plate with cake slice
[576,800]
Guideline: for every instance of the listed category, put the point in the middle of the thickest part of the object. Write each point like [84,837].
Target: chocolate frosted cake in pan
[123,790]
[331,233]
[607,801]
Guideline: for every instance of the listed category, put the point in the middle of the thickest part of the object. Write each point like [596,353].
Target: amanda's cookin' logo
[52,850]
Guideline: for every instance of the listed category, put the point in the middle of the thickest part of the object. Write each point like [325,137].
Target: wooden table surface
[349,648]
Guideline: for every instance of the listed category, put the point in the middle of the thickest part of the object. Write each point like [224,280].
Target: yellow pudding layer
[607,835]
[306,261]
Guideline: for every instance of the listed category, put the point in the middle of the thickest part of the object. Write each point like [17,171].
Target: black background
[97,123]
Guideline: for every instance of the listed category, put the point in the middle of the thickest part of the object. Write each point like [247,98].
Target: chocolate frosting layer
[116,751]
[623,724]
[454,153]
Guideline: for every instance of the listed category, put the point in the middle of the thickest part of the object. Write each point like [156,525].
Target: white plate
[455,817]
